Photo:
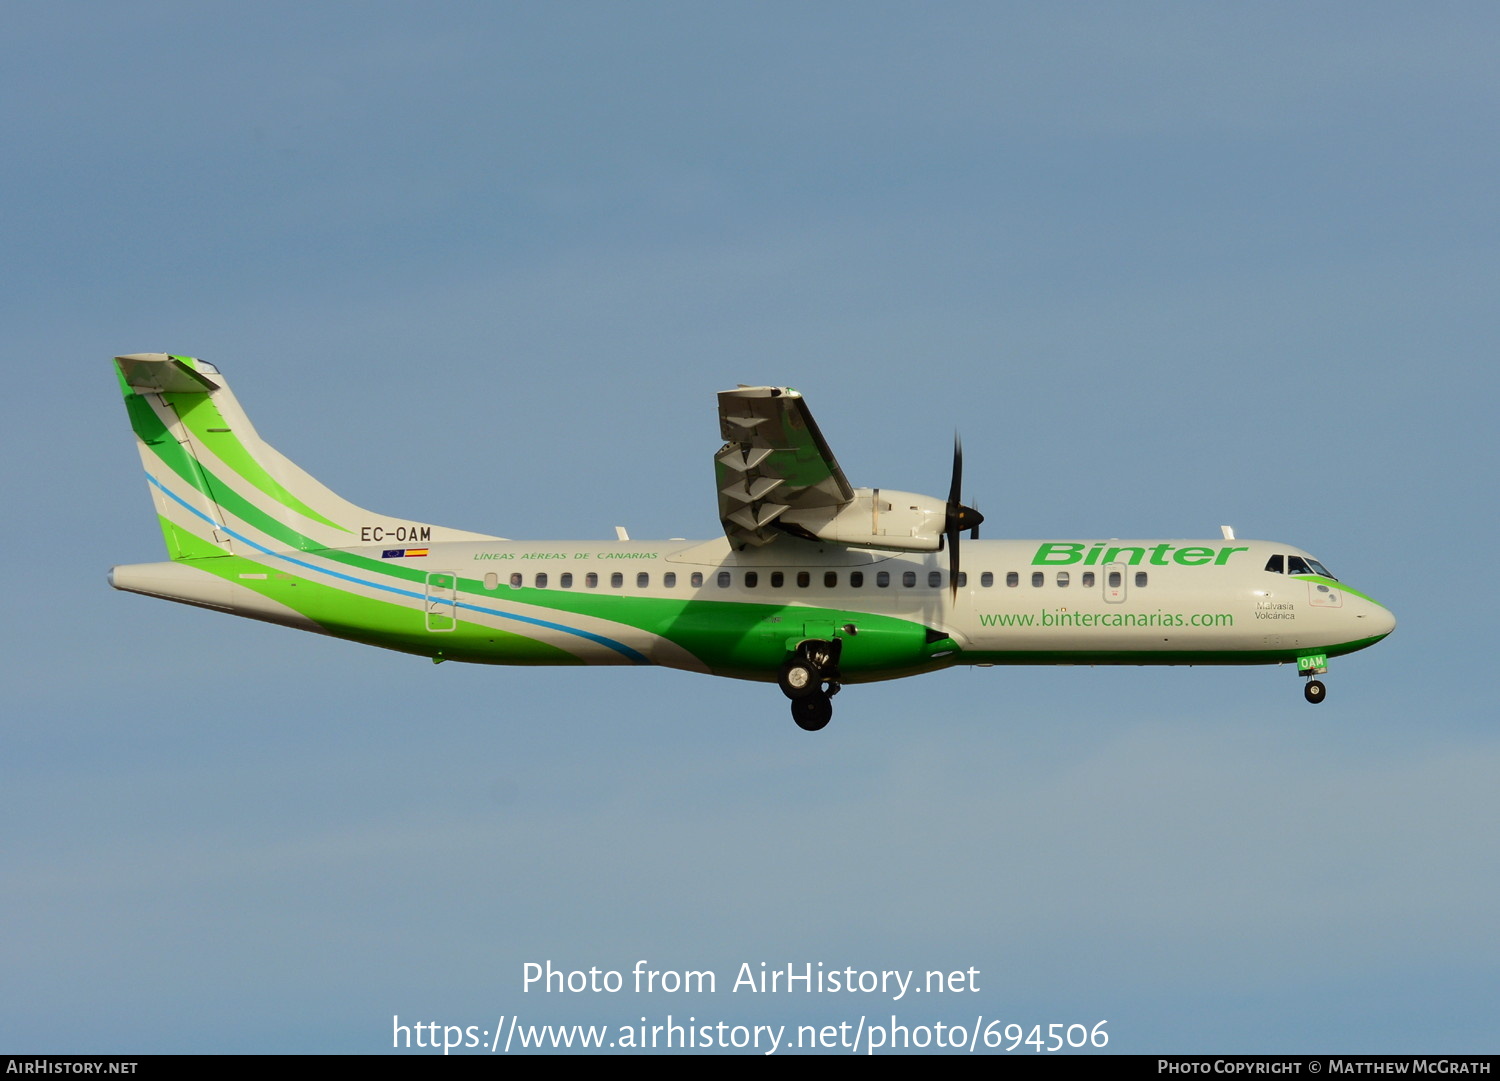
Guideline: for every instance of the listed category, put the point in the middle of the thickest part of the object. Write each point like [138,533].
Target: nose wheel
[1308,666]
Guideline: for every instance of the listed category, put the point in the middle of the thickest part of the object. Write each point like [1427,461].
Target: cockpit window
[1297,565]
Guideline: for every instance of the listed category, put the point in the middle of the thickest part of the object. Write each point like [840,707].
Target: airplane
[813,585]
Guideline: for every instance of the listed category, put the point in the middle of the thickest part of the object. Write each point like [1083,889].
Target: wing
[774,460]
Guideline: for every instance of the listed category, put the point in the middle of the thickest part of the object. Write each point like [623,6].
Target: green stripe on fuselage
[391,624]
[1332,583]
[1156,656]
[737,636]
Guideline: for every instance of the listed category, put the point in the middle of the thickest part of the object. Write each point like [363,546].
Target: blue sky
[1163,265]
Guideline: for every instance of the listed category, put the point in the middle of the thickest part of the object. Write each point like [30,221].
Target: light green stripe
[1334,584]
[200,416]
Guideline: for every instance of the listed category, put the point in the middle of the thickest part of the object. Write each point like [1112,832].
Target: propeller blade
[956,487]
[959,518]
[953,566]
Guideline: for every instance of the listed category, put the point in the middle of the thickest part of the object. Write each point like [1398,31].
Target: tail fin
[222,490]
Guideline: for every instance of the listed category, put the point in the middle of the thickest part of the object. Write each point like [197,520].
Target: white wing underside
[774,460]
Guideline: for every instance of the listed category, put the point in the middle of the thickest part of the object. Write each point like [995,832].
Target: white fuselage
[1020,602]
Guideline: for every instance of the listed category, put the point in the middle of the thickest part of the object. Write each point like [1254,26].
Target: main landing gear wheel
[812,712]
[1314,691]
[799,678]
[810,677]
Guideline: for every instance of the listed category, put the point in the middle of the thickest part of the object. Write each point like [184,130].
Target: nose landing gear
[1309,666]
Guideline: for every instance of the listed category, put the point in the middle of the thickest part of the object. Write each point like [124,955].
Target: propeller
[959,517]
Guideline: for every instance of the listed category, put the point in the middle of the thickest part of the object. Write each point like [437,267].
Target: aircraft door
[441,602]
[824,629]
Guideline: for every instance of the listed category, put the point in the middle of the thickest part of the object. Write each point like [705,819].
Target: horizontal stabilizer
[156,373]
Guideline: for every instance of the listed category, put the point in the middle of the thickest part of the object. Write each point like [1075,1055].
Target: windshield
[1298,565]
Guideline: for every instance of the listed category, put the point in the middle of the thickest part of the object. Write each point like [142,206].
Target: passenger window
[908,578]
[1062,579]
[752,579]
[642,580]
[669,579]
[696,580]
[565,579]
[777,578]
[1038,578]
[616,580]
[1012,578]
[591,580]
[963,579]
[882,579]
[1275,564]
[541,579]
[987,579]
[1115,579]
[1087,581]
[935,579]
[830,579]
[804,579]
[1140,579]
[723,579]
[492,581]
[856,579]
[516,580]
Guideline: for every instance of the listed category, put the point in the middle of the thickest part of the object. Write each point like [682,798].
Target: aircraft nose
[1382,620]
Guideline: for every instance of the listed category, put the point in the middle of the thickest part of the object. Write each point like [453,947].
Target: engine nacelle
[877,518]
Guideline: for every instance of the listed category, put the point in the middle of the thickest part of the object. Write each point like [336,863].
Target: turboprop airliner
[813,585]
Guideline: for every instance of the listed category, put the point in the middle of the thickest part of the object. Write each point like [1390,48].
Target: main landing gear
[813,712]
[810,678]
[1314,691]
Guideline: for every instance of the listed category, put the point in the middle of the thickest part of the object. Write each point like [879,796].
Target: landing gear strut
[810,677]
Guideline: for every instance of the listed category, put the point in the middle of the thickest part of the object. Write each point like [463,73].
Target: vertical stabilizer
[222,490]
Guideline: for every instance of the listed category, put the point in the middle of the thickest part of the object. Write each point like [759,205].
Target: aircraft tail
[222,490]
